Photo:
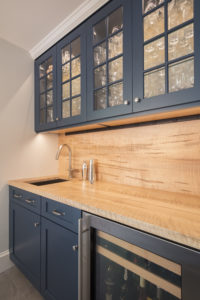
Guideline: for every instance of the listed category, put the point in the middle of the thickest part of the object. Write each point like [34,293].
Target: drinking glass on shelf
[116,28]
[174,39]
[189,33]
[150,4]
[185,7]
[160,44]
[65,56]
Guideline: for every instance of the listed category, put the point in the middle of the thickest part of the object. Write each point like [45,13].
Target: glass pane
[76,86]
[181,75]
[99,31]
[66,90]
[66,109]
[150,4]
[125,272]
[154,24]
[65,54]
[75,48]
[154,83]
[100,99]
[115,21]
[181,42]
[180,11]
[42,85]
[116,94]
[50,97]
[42,116]
[49,65]
[115,45]
[42,69]
[76,106]
[49,114]
[100,54]
[66,72]
[154,53]
[49,81]
[116,69]
[100,76]
[76,67]
[42,100]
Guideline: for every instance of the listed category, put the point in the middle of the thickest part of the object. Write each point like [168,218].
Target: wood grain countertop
[173,216]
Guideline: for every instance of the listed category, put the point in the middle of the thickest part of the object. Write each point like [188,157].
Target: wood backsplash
[161,156]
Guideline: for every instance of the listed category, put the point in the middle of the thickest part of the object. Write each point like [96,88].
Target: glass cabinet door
[71,56]
[124,271]
[109,56]
[45,90]
[169,53]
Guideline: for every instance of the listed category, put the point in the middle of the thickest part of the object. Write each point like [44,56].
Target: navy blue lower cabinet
[59,262]
[25,241]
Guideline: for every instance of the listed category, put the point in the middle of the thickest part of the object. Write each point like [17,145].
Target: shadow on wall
[23,153]
[16,65]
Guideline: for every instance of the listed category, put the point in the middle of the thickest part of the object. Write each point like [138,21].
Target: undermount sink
[51,181]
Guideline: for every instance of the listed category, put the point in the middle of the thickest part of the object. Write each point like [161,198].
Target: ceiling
[25,23]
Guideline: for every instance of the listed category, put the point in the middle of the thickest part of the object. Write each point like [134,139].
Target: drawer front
[26,199]
[62,214]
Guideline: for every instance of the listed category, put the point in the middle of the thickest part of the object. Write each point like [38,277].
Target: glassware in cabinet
[71,74]
[45,90]
[109,61]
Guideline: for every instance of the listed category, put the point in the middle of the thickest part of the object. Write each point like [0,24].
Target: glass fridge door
[123,271]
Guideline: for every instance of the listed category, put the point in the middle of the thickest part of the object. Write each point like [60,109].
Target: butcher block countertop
[173,216]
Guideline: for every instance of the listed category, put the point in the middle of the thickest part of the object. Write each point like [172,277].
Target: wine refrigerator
[117,262]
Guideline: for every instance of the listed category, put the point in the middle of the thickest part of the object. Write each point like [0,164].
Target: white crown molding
[81,13]
[5,262]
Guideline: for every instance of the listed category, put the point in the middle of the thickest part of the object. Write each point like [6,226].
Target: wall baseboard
[5,262]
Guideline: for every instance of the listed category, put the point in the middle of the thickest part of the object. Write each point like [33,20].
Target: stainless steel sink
[51,181]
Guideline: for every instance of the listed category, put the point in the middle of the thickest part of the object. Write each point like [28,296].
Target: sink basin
[51,181]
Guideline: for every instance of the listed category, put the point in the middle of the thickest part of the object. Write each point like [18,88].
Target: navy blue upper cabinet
[128,58]
[71,78]
[109,56]
[166,53]
[45,91]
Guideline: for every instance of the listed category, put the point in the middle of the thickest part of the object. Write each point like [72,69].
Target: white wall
[22,152]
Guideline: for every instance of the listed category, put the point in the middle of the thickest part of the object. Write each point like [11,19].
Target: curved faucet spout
[70,157]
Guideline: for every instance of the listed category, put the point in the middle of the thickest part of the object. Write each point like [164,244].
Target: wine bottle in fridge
[142,290]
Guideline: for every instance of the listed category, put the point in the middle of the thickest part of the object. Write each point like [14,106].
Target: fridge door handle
[84,257]
[80,259]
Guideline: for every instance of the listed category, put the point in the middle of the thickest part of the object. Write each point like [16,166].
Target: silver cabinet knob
[136,99]
[126,102]
[36,224]
[75,247]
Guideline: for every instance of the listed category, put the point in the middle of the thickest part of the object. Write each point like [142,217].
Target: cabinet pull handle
[75,247]
[58,213]
[29,201]
[36,224]
[17,196]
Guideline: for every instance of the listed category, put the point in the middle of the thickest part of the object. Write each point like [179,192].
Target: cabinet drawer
[62,214]
[26,199]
